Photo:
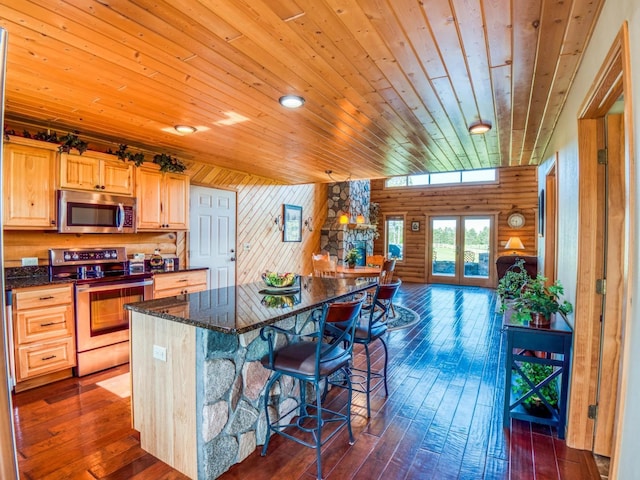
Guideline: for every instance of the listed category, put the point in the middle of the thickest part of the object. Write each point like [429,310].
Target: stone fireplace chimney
[351,198]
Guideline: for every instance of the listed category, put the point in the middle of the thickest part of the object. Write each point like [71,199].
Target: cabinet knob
[97,187]
[53,222]
[102,187]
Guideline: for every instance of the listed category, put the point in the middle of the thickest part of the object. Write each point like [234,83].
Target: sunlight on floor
[120,385]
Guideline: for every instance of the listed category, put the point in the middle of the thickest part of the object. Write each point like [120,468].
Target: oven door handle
[101,287]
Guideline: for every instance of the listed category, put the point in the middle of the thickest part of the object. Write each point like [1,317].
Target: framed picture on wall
[415,226]
[292,215]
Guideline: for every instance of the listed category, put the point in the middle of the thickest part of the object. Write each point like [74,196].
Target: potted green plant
[352,257]
[537,302]
[510,286]
[537,373]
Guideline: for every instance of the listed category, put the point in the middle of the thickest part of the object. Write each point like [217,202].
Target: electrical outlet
[160,353]
[29,261]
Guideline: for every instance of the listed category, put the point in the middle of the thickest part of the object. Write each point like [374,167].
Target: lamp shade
[514,243]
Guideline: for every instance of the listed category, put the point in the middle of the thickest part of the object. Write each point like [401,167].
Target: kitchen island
[197,380]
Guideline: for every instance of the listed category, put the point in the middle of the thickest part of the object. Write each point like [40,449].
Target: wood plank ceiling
[391,86]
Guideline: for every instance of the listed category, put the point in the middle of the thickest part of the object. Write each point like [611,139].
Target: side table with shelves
[537,345]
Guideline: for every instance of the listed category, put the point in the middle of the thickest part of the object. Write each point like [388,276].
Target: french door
[460,249]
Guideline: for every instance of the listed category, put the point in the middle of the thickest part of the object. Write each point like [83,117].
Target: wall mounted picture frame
[415,226]
[292,219]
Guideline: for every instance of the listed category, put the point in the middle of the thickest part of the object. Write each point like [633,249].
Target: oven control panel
[86,256]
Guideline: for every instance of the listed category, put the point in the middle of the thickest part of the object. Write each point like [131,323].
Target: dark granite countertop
[177,270]
[243,308]
[38,276]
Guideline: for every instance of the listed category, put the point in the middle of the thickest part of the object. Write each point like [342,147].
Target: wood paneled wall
[515,191]
[260,201]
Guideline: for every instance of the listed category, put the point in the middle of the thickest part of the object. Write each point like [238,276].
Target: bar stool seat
[312,359]
[372,326]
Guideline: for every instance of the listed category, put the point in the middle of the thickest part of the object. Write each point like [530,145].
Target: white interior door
[212,220]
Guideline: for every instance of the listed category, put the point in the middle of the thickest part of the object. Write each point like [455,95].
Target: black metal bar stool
[311,360]
[371,327]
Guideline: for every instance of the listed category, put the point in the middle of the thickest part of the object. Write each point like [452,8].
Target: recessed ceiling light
[480,128]
[185,129]
[291,101]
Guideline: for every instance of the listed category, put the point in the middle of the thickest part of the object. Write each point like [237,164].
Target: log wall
[515,191]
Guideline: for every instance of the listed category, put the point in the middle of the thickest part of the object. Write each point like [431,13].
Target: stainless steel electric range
[103,285]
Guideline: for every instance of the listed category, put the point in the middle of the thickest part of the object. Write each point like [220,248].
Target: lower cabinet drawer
[180,280]
[42,324]
[172,292]
[44,358]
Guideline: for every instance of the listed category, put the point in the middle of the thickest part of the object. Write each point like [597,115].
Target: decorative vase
[540,320]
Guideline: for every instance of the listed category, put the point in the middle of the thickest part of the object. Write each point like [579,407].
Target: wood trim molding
[612,80]
[587,326]
[8,460]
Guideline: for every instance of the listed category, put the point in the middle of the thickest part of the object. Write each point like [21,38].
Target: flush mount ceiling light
[291,101]
[185,129]
[479,128]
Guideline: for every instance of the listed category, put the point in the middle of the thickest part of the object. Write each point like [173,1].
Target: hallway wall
[565,143]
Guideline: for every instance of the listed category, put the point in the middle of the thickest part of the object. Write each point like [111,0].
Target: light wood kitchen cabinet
[29,174]
[43,334]
[162,200]
[96,171]
[179,283]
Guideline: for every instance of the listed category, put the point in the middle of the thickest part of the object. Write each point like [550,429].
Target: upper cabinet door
[117,177]
[29,176]
[175,201]
[148,199]
[93,171]
[162,200]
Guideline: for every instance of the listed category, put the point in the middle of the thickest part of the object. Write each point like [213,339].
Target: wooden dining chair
[324,267]
[386,276]
[374,260]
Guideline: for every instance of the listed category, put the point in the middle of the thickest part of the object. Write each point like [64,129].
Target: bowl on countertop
[279,280]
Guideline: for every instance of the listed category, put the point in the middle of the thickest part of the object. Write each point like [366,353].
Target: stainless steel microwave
[95,212]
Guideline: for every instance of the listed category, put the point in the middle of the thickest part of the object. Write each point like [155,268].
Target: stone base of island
[197,380]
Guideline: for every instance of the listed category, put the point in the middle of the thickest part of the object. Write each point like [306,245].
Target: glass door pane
[444,247]
[476,232]
[461,250]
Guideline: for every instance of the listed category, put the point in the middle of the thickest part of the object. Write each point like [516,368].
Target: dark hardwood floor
[441,420]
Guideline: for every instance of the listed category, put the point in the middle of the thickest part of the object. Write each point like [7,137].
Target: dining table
[359,271]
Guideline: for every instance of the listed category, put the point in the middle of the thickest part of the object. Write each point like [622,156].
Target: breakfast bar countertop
[243,308]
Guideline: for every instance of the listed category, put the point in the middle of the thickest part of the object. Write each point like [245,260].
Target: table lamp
[514,243]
